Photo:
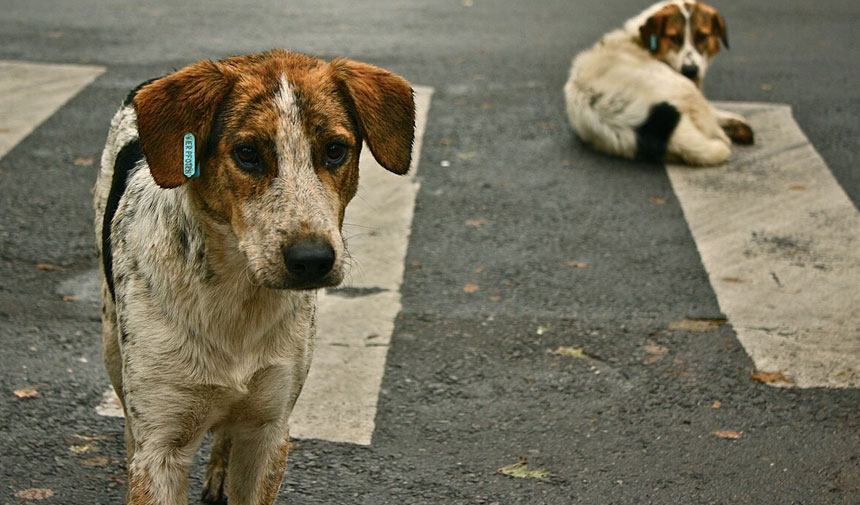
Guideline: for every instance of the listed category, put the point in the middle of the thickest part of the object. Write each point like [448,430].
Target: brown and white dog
[637,92]
[208,292]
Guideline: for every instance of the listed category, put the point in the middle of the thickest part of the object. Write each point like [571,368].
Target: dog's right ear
[651,32]
[169,108]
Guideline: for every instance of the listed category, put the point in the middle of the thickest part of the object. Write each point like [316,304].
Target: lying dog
[637,92]
[218,212]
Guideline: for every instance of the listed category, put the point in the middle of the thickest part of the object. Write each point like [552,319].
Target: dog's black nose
[690,71]
[309,261]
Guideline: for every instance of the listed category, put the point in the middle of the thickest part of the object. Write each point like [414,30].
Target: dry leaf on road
[574,352]
[470,288]
[770,377]
[26,393]
[521,470]
[697,325]
[729,434]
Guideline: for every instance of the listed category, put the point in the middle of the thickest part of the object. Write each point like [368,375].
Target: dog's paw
[213,488]
[738,131]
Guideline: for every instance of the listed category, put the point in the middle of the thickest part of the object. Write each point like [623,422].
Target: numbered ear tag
[190,166]
[653,42]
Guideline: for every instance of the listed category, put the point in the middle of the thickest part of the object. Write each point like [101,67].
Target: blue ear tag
[653,42]
[190,166]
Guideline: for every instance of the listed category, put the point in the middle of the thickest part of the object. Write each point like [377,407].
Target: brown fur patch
[168,108]
[708,28]
[231,102]
[667,25]
[738,131]
[140,489]
[386,111]
[275,475]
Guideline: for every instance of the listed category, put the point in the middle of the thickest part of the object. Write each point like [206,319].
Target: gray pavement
[567,249]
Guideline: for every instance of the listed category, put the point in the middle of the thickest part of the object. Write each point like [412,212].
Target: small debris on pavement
[34,494]
[574,352]
[729,434]
[770,377]
[26,393]
[697,325]
[521,470]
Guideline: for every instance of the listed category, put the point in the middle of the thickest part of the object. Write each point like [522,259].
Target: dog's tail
[652,136]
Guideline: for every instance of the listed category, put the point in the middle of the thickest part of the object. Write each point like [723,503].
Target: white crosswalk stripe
[781,243]
[338,401]
[31,92]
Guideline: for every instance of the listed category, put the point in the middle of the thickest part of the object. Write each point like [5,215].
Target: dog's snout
[690,71]
[309,261]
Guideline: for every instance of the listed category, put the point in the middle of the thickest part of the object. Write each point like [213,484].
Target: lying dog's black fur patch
[652,136]
[126,159]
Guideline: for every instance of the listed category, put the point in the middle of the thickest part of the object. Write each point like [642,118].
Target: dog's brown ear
[169,108]
[651,32]
[385,108]
[720,28]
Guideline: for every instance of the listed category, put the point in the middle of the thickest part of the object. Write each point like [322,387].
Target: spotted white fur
[202,328]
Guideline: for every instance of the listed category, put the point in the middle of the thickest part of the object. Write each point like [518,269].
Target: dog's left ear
[385,108]
[720,28]
[170,107]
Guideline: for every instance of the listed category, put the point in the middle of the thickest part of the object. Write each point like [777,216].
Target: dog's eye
[248,158]
[335,154]
[678,39]
[700,37]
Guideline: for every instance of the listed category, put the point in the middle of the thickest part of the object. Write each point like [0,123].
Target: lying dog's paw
[738,131]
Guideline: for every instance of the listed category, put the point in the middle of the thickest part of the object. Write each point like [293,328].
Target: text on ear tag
[190,167]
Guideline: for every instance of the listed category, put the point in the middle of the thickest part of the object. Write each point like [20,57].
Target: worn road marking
[780,241]
[31,92]
[355,322]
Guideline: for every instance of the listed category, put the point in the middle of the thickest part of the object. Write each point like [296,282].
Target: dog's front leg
[258,460]
[165,424]
[259,434]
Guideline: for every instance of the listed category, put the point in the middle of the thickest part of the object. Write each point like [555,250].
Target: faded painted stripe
[31,92]
[781,243]
[338,402]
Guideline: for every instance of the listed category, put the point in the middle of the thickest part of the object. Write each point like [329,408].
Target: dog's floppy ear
[720,28]
[385,108]
[651,31]
[170,107]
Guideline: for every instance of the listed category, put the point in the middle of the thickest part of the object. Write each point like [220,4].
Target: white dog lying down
[637,92]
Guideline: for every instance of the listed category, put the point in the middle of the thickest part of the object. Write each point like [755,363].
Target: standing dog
[637,92]
[208,293]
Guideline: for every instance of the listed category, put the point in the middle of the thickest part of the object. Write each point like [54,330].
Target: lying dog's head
[278,141]
[684,35]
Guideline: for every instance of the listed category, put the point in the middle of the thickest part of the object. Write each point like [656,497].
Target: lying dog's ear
[385,108]
[169,108]
[651,32]
[720,28]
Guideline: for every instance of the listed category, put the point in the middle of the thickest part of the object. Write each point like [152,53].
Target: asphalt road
[567,248]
